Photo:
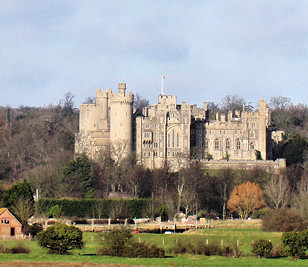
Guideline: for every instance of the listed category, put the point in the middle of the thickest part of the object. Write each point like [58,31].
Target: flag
[164,77]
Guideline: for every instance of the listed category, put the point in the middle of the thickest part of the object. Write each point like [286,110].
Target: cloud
[207,49]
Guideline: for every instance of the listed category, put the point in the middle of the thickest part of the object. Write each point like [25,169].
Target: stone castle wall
[173,133]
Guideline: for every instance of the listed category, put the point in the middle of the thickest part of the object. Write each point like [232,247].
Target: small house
[9,225]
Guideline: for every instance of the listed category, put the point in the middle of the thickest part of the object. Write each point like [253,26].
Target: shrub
[19,249]
[200,248]
[115,242]
[54,212]
[4,249]
[141,250]
[33,229]
[278,251]
[119,243]
[260,213]
[262,248]
[60,238]
[282,220]
[295,243]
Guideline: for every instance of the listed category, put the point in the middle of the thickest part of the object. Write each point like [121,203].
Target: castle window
[206,144]
[144,154]
[173,154]
[247,124]
[173,138]
[238,144]
[252,146]
[149,154]
[216,144]
[253,125]
[177,140]
[149,144]
[252,134]
[169,137]
[227,144]
[147,126]
[155,154]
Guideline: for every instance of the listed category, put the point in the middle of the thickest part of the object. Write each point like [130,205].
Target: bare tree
[23,209]
[225,182]
[301,199]
[232,102]
[278,192]
[280,102]
[139,103]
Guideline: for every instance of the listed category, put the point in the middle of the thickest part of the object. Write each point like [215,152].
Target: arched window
[238,144]
[252,146]
[206,144]
[216,144]
[173,138]
[169,139]
[227,144]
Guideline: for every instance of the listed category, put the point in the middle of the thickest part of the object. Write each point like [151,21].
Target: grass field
[229,237]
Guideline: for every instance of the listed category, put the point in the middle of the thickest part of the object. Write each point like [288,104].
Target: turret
[121,113]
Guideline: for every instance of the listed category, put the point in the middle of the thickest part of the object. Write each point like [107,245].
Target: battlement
[167,99]
[123,98]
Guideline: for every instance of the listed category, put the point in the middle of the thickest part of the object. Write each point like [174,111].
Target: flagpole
[162,85]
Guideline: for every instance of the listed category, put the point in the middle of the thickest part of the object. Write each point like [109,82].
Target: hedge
[101,208]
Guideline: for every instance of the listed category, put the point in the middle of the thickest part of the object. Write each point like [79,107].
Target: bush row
[101,208]
[17,249]
[283,220]
[201,248]
[121,244]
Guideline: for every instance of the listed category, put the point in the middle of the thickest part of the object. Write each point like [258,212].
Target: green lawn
[229,237]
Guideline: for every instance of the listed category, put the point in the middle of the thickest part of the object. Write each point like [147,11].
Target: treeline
[37,144]
[36,141]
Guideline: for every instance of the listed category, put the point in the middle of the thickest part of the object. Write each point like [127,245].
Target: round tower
[121,121]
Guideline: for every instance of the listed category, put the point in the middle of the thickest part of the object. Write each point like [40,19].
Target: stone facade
[173,133]
[106,124]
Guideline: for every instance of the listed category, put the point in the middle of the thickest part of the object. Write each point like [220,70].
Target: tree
[301,199]
[245,198]
[280,102]
[77,176]
[23,209]
[232,102]
[225,182]
[293,149]
[19,190]
[139,103]
[278,192]
[60,238]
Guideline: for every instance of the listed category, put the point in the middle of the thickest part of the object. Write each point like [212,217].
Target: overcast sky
[207,49]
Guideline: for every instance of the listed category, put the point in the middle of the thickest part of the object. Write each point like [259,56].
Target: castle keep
[173,133]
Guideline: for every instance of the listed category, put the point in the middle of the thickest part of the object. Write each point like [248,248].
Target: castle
[173,133]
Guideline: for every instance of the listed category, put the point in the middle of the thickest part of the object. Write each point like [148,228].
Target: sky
[206,49]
